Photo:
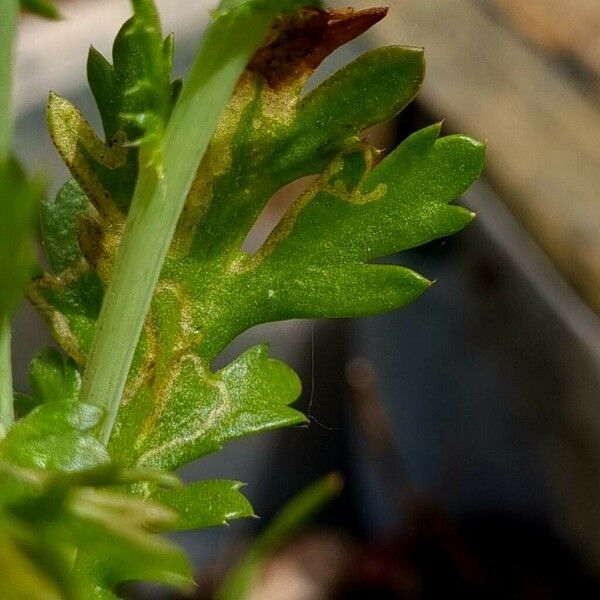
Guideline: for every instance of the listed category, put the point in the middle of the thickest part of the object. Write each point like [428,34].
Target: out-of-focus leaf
[49,519]
[19,199]
[21,578]
[118,545]
[299,511]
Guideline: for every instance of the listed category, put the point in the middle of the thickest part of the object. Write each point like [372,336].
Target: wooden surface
[568,28]
[543,130]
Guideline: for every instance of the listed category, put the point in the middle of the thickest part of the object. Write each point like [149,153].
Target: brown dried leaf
[299,44]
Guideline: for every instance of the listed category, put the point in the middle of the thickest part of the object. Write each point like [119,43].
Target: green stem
[6,392]
[9,15]
[226,48]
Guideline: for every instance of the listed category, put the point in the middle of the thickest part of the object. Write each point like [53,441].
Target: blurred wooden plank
[544,150]
[570,28]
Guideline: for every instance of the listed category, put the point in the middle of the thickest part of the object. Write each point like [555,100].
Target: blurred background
[466,426]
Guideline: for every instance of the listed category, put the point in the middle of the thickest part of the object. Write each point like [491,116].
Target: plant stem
[9,14]
[6,392]
[226,48]
[8,25]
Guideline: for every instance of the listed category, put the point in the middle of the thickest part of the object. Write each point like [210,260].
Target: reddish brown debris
[298,44]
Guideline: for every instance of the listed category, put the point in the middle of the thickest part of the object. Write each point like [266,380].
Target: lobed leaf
[142,67]
[202,410]
[204,504]
[315,264]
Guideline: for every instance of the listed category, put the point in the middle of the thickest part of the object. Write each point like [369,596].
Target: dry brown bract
[298,44]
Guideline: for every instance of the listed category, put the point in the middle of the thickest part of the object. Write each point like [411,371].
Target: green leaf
[71,298]
[49,519]
[206,410]
[204,504]
[19,198]
[53,377]
[140,77]
[56,436]
[118,546]
[315,264]
[24,404]
[165,178]
[59,219]
[44,8]
[290,520]
[21,578]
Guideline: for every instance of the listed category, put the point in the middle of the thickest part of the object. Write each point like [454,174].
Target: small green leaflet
[56,436]
[52,377]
